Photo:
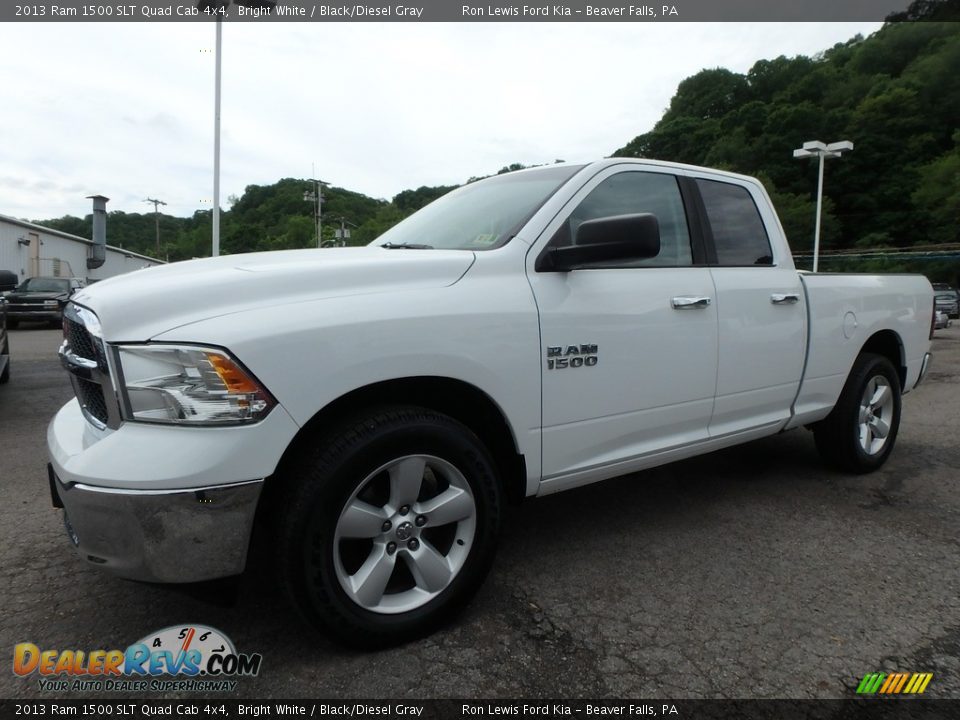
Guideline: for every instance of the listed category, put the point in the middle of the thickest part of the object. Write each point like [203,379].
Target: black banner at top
[645,11]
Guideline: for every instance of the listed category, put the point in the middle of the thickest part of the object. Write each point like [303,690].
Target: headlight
[50,303]
[193,385]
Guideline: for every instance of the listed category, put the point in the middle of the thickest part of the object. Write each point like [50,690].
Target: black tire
[326,478]
[12,324]
[839,436]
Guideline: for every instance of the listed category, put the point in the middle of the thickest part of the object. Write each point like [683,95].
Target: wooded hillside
[895,95]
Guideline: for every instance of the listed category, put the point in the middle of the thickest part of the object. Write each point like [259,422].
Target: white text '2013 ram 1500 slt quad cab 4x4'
[375,407]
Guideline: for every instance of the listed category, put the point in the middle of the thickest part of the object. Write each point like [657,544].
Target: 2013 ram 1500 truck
[372,409]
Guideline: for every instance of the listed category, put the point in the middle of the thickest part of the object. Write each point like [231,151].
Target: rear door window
[739,235]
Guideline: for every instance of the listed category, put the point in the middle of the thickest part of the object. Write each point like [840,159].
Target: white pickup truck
[366,412]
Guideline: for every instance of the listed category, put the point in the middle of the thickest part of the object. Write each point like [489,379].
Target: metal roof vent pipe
[98,253]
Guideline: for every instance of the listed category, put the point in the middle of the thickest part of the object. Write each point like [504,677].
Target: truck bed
[846,310]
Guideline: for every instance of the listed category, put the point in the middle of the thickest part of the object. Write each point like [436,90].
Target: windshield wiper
[406,246]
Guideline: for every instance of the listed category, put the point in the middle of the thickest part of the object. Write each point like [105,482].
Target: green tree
[937,195]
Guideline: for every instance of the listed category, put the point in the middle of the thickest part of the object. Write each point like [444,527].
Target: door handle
[689,303]
[784,298]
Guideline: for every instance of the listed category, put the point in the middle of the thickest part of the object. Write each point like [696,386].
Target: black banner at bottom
[388,709]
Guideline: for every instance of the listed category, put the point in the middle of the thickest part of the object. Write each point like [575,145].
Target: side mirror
[619,237]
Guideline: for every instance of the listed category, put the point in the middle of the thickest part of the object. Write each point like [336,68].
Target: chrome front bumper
[33,314]
[176,536]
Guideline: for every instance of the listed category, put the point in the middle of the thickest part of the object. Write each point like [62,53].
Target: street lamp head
[839,146]
[815,148]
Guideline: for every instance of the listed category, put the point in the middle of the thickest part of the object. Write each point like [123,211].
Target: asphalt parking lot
[750,573]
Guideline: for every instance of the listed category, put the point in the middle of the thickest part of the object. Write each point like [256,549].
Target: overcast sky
[126,110]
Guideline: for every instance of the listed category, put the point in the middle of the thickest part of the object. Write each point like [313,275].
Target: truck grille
[79,339]
[90,395]
[83,354]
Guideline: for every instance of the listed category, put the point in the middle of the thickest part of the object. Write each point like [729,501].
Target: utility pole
[343,233]
[315,196]
[156,218]
[319,211]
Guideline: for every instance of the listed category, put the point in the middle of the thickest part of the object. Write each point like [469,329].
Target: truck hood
[142,304]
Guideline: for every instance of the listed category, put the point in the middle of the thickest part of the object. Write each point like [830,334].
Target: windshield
[44,285]
[480,216]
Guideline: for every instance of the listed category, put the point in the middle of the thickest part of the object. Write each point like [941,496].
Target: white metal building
[31,250]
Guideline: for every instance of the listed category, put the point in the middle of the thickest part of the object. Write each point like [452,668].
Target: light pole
[219,8]
[215,249]
[815,148]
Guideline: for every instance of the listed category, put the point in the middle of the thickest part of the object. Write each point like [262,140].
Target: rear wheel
[859,434]
[389,526]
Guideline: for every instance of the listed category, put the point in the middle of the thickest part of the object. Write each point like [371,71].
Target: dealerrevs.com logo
[177,658]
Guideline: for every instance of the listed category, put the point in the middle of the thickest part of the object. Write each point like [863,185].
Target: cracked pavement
[753,572]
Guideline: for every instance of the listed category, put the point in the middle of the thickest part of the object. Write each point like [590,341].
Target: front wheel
[389,526]
[859,434]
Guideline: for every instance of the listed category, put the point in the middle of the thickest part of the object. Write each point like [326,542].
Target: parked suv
[4,343]
[41,299]
[947,302]
[8,281]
